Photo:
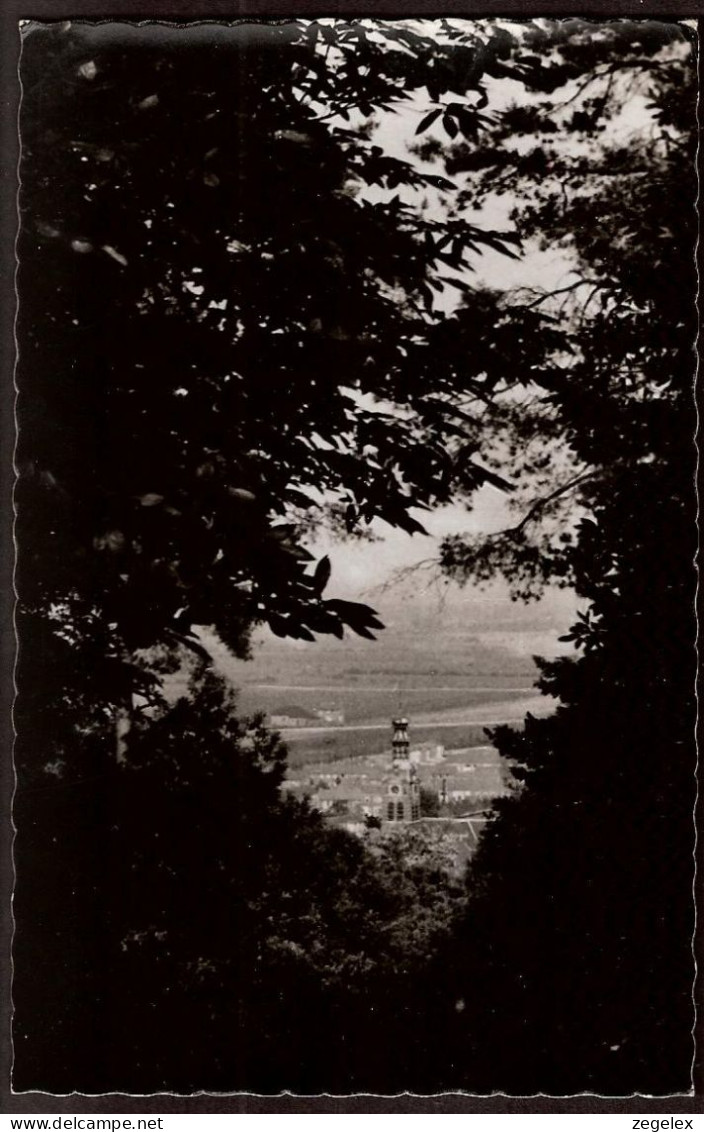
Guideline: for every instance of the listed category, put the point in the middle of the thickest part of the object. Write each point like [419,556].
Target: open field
[326,745]
[453,671]
[370,705]
[408,659]
[421,654]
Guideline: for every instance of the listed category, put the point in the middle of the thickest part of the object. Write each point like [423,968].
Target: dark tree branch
[539,505]
[560,291]
[587,82]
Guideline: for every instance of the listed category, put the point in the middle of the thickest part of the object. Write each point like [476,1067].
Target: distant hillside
[471,610]
[459,642]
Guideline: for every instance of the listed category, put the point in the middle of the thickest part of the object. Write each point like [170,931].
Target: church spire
[400,745]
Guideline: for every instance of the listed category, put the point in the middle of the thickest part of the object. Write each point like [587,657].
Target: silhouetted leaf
[321,575]
[428,120]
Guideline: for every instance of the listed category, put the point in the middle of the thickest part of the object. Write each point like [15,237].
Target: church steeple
[403,790]
[400,745]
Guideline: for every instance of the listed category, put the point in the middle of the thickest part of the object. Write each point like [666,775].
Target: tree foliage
[600,400]
[581,914]
[218,324]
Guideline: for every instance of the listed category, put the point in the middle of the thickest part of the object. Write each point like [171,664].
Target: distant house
[330,715]
[347,798]
[293,717]
[427,755]
[479,782]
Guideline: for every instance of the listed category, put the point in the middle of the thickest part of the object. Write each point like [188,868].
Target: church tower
[403,789]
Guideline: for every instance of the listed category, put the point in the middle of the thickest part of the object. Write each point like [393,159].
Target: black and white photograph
[355,531]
